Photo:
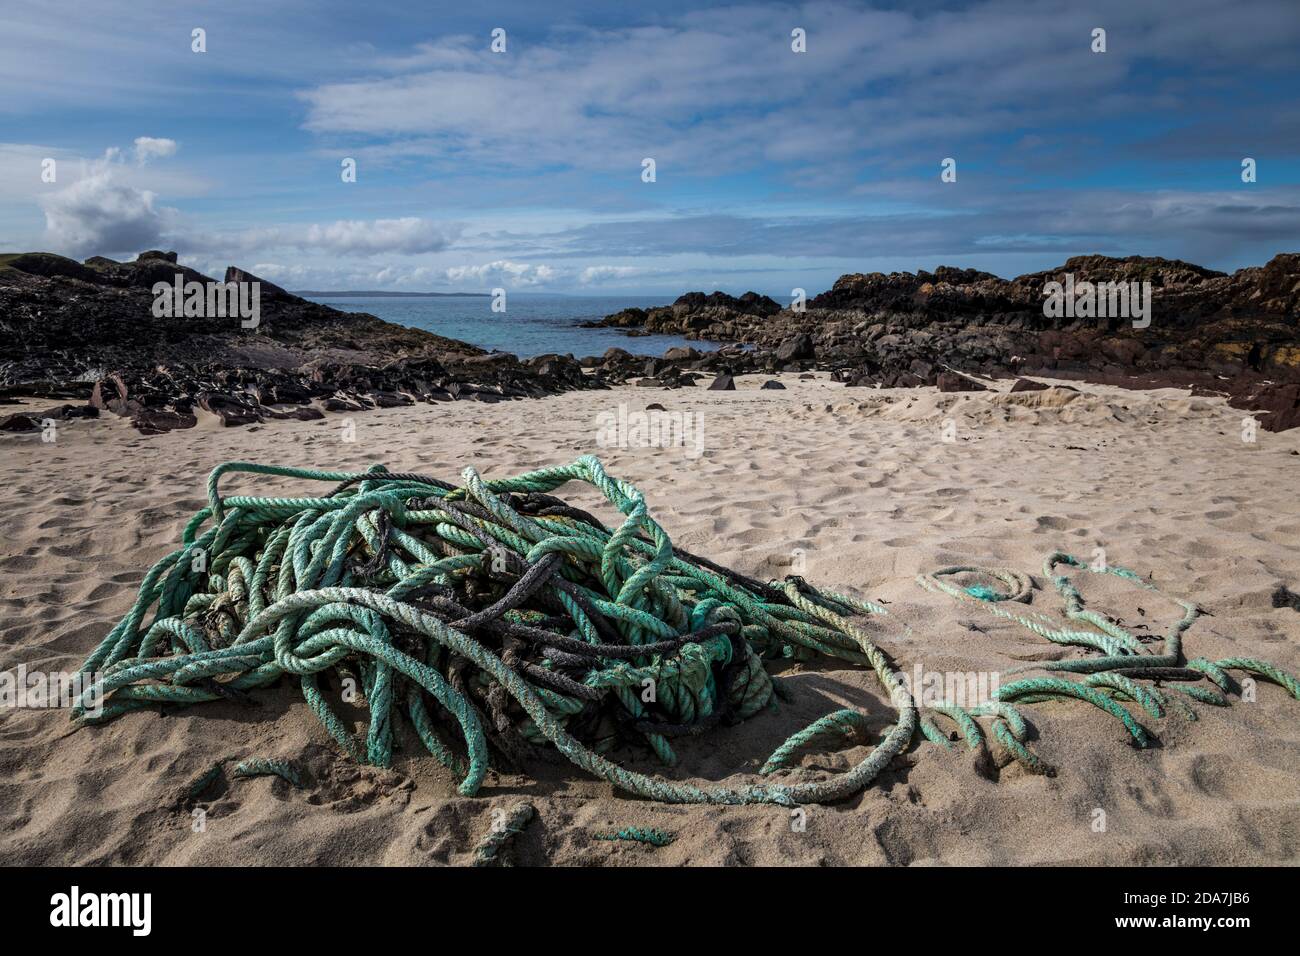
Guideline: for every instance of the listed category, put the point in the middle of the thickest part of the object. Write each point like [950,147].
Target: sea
[533,323]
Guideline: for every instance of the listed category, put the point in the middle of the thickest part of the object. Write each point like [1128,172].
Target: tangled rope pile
[493,608]
[1125,671]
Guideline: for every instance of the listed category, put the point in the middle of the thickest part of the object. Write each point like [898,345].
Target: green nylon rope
[651,836]
[488,851]
[841,724]
[342,590]
[1102,686]
[267,767]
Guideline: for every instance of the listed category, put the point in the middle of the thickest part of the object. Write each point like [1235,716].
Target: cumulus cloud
[503,272]
[100,214]
[106,212]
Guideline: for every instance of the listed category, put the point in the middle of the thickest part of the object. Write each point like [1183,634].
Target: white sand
[857,479]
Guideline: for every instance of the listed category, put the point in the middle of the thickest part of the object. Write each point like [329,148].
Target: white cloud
[99,214]
[503,272]
[328,275]
[278,273]
[148,147]
[719,89]
[345,237]
[105,212]
[595,275]
[409,235]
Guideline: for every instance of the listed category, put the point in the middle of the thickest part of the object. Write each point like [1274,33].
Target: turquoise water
[532,324]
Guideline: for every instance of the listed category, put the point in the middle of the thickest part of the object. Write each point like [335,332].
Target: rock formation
[1232,334]
[88,331]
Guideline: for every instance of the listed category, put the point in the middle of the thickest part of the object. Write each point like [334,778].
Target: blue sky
[522,169]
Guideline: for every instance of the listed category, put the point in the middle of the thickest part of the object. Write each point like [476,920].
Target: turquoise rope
[1120,650]
[267,587]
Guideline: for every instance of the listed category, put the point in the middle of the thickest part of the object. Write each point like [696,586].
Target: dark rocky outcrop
[1227,334]
[88,331]
[695,312]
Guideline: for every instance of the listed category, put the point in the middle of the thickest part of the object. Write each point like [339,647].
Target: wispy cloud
[409,235]
[721,90]
[599,275]
[1112,221]
[522,169]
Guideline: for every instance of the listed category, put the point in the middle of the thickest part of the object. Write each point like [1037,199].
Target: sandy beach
[855,489]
